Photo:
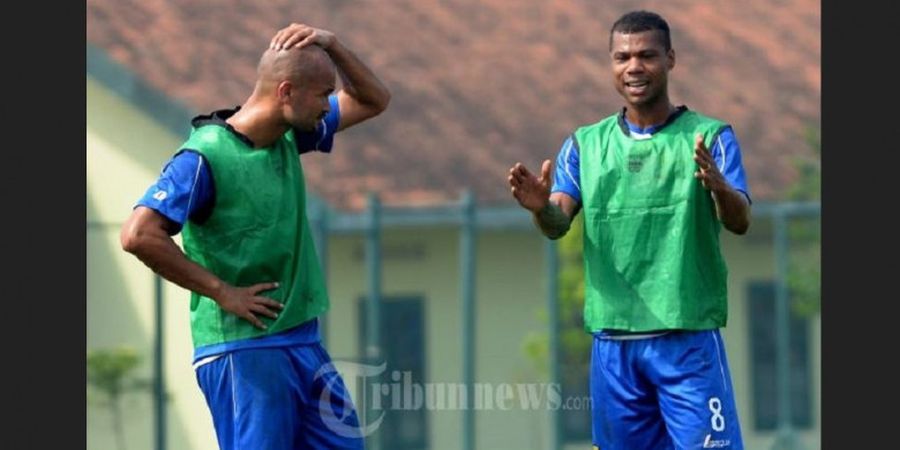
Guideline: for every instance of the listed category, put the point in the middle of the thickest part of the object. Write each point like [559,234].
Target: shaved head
[299,66]
[293,86]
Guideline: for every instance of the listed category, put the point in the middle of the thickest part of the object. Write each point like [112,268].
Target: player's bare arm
[146,234]
[552,213]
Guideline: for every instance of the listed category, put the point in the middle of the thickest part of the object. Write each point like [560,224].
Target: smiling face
[640,66]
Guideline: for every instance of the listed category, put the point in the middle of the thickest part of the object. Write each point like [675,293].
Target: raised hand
[298,35]
[531,192]
[708,173]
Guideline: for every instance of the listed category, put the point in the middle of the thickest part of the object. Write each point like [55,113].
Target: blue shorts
[282,398]
[666,392]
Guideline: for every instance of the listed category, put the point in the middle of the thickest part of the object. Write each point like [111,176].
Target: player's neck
[649,115]
[257,121]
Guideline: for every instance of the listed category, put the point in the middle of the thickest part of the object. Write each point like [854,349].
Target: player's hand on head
[298,35]
[245,303]
[532,192]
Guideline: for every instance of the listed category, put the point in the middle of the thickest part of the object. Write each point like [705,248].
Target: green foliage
[537,349]
[809,170]
[804,268]
[111,373]
[575,343]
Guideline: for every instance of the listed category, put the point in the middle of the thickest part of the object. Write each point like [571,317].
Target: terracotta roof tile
[480,84]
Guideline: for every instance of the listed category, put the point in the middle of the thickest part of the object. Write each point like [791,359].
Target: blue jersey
[725,151]
[185,191]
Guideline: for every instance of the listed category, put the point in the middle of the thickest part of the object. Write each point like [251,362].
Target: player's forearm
[358,80]
[164,257]
[552,221]
[733,209]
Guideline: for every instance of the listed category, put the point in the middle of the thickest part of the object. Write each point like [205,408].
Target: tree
[110,371]
[574,342]
[804,268]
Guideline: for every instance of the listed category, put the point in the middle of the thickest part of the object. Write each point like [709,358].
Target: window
[763,337]
[576,419]
[403,349]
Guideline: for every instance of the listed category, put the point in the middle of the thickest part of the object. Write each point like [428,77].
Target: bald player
[236,192]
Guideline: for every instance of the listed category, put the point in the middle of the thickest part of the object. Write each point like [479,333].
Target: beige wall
[751,258]
[125,152]
[510,292]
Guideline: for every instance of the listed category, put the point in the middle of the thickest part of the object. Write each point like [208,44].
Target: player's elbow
[130,240]
[740,230]
[555,235]
[381,101]
[133,239]
[740,226]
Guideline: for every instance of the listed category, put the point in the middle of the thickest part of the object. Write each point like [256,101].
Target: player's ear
[284,90]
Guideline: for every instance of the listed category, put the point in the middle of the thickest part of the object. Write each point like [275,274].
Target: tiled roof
[480,84]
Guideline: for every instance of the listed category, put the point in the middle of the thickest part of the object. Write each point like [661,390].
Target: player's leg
[328,416]
[624,408]
[695,392]
[253,396]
